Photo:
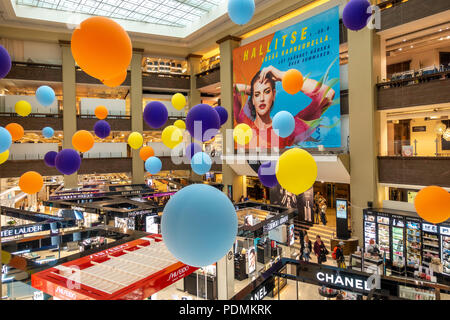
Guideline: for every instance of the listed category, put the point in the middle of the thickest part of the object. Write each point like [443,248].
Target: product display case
[445,249]
[369,229]
[279,283]
[384,236]
[430,243]
[415,293]
[413,243]
[398,244]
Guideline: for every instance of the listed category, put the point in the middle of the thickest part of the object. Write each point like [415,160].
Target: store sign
[139,213]
[429,228]
[179,274]
[109,251]
[445,231]
[420,129]
[22,230]
[64,293]
[349,282]
[263,290]
[274,224]
[165,194]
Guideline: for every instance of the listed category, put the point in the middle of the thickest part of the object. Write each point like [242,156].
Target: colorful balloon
[6,257]
[267,175]
[202,122]
[223,114]
[201,163]
[153,165]
[101,47]
[45,96]
[135,140]
[16,131]
[355,15]
[171,137]
[48,132]
[241,11]
[5,62]
[83,141]
[102,129]
[68,161]
[101,112]
[31,182]
[178,101]
[146,152]
[23,108]
[180,124]
[4,156]
[50,158]
[5,140]
[296,170]
[242,134]
[292,81]
[283,124]
[155,114]
[190,221]
[116,81]
[433,204]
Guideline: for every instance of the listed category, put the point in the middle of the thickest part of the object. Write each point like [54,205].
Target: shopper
[320,250]
[306,248]
[373,248]
[338,255]
[323,212]
[316,213]
[241,199]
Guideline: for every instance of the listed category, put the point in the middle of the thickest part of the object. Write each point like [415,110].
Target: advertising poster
[291,235]
[251,260]
[304,202]
[150,225]
[311,47]
[341,209]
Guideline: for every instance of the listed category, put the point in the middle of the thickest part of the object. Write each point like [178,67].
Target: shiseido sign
[65,293]
[179,274]
[348,281]
[276,223]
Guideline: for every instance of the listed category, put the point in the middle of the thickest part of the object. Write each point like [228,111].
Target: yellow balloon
[178,101]
[4,156]
[6,257]
[242,134]
[135,140]
[23,108]
[180,124]
[172,136]
[296,170]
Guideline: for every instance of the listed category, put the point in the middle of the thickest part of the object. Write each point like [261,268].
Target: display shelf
[445,254]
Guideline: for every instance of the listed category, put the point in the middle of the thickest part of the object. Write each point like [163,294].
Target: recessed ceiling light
[412,47]
[440,30]
[400,49]
[440,39]
[404,40]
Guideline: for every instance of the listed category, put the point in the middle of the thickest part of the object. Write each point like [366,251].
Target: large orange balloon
[101,112]
[16,131]
[83,140]
[433,204]
[101,47]
[31,182]
[292,81]
[146,152]
[117,81]
[18,263]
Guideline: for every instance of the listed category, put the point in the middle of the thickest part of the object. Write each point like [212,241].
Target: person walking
[320,250]
[338,255]
[306,248]
[316,213]
[323,212]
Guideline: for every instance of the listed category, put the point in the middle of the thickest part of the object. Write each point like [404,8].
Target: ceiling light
[446,135]
[412,47]
[440,39]
[440,128]
[440,30]
[404,40]
[400,49]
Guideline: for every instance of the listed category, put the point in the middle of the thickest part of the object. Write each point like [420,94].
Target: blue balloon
[155,114]
[355,15]
[5,62]
[199,225]
[201,163]
[284,122]
[102,129]
[50,158]
[5,139]
[48,132]
[192,149]
[153,165]
[45,95]
[223,114]
[241,11]
[267,174]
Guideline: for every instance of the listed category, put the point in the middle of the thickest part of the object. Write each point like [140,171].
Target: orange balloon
[433,204]
[117,81]
[18,263]
[16,131]
[101,47]
[146,152]
[292,81]
[101,112]
[83,140]
[31,182]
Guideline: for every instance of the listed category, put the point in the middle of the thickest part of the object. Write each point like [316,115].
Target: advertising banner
[311,47]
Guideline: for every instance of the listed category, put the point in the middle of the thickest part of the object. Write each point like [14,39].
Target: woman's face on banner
[263,97]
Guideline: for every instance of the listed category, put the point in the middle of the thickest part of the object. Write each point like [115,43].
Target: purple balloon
[355,16]
[68,161]
[5,62]
[155,114]
[192,149]
[266,174]
[102,129]
[202,122]
[223,114]
[50,158]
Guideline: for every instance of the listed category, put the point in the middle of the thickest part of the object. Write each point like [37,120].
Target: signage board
[275,223]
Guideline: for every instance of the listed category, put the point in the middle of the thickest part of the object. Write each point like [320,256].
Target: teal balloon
[199,225]
[45,96]
[284,122]
[241,11]
[5,140]
[153,165]
[48,132]
[201,163]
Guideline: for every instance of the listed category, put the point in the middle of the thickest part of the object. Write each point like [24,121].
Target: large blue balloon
[241,11]
[201,163]
[355,16]
[155,114]
[199,225]
[223,114]
[45,95]
[68,161]
[5,140]
[153,165]
[50,158]
[284,122]
[48,132]
[192,149]
[102,129]
[267,174]
[5,62]
[202,122]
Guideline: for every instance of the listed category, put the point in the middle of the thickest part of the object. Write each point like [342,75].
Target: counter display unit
[279,283]
[398,244]
[430,243]
[366,263]
[384,235]
[369,229]
[413,244]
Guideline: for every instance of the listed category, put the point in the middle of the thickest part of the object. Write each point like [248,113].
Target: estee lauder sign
[348,281]
[21,230]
